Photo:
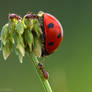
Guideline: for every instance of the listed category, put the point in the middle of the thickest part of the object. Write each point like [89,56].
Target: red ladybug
[52,34]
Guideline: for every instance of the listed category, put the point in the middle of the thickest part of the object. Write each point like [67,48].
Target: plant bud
[14,16]
[28,16]
[27,22]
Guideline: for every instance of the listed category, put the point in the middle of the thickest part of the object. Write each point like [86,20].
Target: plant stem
[44,81]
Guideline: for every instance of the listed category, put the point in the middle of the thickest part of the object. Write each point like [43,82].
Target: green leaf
[21,49]
[19,45]
[37,48]
[29,38]
[20,52]
[27,22]
[11,38]
[18,39]
[7,49]
[11,26]
[5,33]
[21,58]
[20,27]
[36,27]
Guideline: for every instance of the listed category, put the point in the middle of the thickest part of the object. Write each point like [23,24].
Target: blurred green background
[70,68]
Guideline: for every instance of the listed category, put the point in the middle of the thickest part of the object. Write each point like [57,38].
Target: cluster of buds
[23,35]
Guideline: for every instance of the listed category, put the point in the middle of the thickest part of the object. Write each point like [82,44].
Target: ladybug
[52,34]
[41,66]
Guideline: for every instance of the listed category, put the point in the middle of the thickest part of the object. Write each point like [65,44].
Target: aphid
[41,66]
[52,34]
[45,74]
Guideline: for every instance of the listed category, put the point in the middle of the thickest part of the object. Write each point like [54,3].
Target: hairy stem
[44,81]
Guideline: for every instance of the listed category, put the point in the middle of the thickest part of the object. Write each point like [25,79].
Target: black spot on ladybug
[59,35]
[51,25]
[51,43]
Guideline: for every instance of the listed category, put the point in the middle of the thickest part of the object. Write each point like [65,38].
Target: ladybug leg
[44,52]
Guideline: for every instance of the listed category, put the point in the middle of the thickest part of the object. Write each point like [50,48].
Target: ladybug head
[52,34]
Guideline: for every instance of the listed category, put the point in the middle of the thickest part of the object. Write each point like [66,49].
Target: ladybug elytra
[52,34]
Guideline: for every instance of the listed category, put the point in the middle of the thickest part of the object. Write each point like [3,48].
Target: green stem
[44,81]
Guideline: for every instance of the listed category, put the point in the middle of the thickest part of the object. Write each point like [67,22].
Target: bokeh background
[70,67]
